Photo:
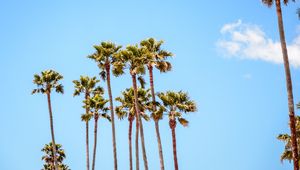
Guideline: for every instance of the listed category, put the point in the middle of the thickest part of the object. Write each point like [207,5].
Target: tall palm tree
[127,109]
[175,103]
[98,109]
[156,57]
[87,86]
[133,58]
[104,56]
[269,3]
[48,157]
[46,82]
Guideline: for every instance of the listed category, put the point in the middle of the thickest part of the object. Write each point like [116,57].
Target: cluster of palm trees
[136,102]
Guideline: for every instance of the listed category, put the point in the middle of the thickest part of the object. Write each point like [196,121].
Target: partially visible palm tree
[156,57]
[104,56]
[46,82]
[87,86]
[289,87]
[127,109]
[286,138]
[98,109]
[49,157]
[176,103]
[133,58]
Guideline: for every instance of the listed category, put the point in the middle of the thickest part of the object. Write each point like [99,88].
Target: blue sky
[241,96]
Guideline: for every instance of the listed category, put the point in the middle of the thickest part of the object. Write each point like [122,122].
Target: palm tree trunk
[137,113]
[52,130]
[160,151]
[143,145]
[172,124]
[87,136]
[95,142]
[288,85]
[87,145]
[161,158]
[112,117]
[130,143]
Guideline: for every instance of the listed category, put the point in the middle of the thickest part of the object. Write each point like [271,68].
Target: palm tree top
[46,81]
[155,56]
[97,104]
[175,103]
[269,3]
[87,84]
[104,56]
[132,57]
[127,103]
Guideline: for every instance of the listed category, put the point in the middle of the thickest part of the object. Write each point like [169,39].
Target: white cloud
[248,41]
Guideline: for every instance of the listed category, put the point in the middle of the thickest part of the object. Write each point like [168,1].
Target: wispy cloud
[248,41]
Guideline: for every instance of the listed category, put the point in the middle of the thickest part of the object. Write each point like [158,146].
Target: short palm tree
[46,82]
[127,109]
[269,3]
[48,157]
[176,103]
[87,86]
[286,138]
[133,58]
[104,56]
[156,57]
[97,105]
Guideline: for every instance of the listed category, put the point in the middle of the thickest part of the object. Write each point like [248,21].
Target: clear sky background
[241,95]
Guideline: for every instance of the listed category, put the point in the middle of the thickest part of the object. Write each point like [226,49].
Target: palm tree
[46,82]
[269,3]
[286,138]
[133,58]
[156,57]
[48,157]
[104,56]
[87,86]
[175,103]
[98,109]
[127,109]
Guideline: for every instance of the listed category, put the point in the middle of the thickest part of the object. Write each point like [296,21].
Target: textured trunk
[95,142]
[111,107]
[137,115]
[130,143]
[87,136]
[173,126]
[288,86]
[87,145]
[143,145]
[160,151]
[52,131]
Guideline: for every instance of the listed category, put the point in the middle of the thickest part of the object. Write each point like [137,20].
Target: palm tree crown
[104,56]
[269,3]
[127,103]
[48,80]
[175,103]
[49,160]
[155,56]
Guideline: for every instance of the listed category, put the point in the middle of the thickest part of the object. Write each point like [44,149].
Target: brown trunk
[130,143]
[172,124]
[111,107]
[87,136]
[52,130]
[160,151]
[143,145]
[137,115]
[288,86]
[95,141]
